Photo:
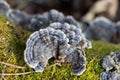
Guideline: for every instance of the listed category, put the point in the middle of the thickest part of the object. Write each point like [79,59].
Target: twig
[3,70]
[12,65]
[4,78]
[93,59]
[54,65]
[12,74]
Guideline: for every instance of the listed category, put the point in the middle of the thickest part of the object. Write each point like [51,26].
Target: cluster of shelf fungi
[64,38]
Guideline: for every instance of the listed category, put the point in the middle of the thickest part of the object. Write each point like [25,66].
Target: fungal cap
[79,71]
[4,7]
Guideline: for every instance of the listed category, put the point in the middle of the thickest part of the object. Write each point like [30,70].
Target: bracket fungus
[101,29]
[59,36]
[37,21]
[111,63]
[64,42]
[4,7]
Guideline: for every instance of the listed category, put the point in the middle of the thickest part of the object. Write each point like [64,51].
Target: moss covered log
[12,45]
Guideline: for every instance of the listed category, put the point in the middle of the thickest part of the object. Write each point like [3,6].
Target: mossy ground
[12,45]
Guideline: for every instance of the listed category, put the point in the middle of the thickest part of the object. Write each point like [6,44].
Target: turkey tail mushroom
[35,22]
[43,45]
[55,41]
[74,34]
[78,61]
[4,7]
[16,16]
[55,16]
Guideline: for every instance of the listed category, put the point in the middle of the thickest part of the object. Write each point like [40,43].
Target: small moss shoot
[12,45]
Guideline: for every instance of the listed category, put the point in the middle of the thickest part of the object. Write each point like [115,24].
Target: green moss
[12,45]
